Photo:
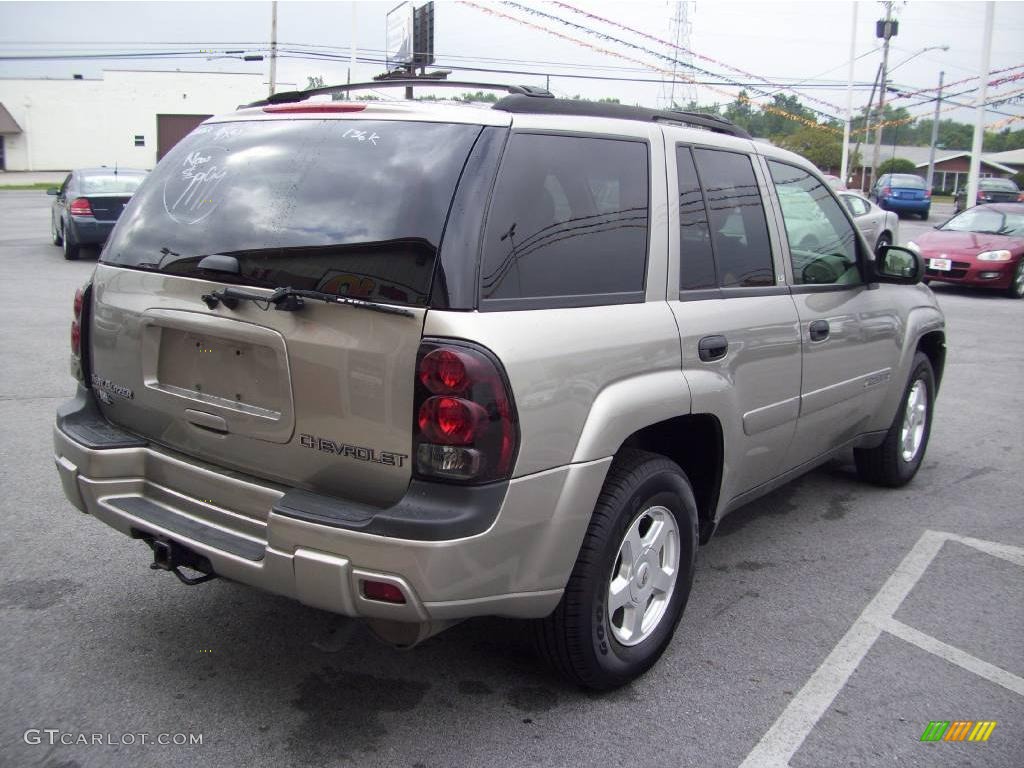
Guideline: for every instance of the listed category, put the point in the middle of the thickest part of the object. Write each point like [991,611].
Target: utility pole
[885,29]
[352,47]
[935,134]
[273,46]
[979,115]
[845,164]
[867,128]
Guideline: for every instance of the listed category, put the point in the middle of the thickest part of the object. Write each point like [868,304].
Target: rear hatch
[320,397]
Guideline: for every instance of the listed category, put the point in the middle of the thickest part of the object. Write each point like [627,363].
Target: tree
[895,165]
[314,81]
[821,147]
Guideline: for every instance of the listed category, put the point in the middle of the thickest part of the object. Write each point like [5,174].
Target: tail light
[466,429]
[927,193]
[80,207]
[78,319]
[1020,197]
[886,191]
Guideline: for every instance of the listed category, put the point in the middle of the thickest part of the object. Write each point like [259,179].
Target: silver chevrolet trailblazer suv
[416,362]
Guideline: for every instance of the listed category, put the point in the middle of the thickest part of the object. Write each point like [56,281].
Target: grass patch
[37,185]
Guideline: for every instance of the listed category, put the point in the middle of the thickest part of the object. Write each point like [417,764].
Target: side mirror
[53,191]
[896,264]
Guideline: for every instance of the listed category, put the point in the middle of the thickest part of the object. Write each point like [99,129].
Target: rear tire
[895,462]
[71,248]
[925,215]
[55,236]
[639,553]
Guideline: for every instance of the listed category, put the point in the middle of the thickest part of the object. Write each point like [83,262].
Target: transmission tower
[676,91]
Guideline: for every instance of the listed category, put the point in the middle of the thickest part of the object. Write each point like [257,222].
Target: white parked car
[878,226]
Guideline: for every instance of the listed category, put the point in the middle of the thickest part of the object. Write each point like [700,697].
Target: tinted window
[739,230]
[696,258]
[353,208]
[906,180]
[822,243]
[568,218]
[110,184]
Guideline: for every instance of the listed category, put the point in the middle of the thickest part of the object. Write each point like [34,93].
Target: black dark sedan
[87,206]
[990,191]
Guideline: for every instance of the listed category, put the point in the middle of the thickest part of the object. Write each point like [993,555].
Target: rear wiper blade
[292,299]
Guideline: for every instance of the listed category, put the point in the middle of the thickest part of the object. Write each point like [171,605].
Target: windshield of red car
[989,221]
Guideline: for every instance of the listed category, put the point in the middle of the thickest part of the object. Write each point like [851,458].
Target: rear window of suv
[352,208]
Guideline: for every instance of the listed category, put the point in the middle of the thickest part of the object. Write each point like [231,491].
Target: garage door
[170,129]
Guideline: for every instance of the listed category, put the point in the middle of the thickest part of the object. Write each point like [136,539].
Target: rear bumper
[904,206]
[517,567]
[89,231]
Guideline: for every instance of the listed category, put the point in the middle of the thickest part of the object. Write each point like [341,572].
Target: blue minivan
[903,193]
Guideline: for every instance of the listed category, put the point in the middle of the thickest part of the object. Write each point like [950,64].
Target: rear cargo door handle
[819,330]
[712,348]
[206,420]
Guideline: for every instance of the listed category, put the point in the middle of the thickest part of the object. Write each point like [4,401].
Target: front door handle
[712,348]
[819,330]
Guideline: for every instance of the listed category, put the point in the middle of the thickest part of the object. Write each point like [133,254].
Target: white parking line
[777,747]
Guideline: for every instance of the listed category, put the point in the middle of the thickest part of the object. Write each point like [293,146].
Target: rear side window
[349,207]
[739,230]
[696,258]
[567,225]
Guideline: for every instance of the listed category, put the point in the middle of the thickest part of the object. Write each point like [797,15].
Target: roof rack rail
[287,97]
[517,103]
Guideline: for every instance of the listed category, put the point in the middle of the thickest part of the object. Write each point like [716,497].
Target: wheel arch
[933,344]
[695,443]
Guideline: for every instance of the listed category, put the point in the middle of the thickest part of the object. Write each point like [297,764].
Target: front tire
[883,239]
[1016,289]
[632,577]
[895,462]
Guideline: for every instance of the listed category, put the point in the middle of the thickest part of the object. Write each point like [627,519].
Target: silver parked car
[415,362]
[878,226]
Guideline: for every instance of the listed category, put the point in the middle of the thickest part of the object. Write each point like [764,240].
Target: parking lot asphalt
[829,622]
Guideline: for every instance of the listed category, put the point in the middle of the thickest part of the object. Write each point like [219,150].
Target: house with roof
[951,165]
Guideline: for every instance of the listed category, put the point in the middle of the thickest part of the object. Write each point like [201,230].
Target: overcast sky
[781,42]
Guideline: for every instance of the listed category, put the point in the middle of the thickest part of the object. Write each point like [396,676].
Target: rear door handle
[712,348]
[819,330]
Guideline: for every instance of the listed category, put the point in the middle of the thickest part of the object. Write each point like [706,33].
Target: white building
[127,117]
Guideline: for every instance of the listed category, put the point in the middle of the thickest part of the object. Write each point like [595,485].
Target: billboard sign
[399,36]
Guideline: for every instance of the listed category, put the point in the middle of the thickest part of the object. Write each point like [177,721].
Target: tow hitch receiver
[171,556]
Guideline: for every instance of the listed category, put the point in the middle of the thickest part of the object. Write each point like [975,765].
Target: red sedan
[983,246]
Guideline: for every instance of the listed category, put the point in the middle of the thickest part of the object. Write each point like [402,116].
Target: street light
[915,55]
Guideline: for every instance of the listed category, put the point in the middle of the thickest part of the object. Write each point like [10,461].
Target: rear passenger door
[849,331]
[737,322]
